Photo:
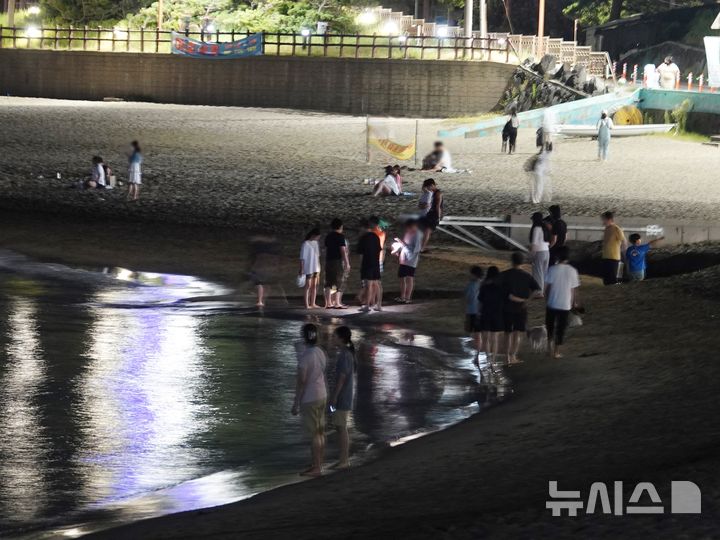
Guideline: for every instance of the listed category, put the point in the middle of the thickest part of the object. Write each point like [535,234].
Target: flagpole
[417,123]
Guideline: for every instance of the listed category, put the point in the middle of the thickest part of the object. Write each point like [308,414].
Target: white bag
[300,281]
[574,320]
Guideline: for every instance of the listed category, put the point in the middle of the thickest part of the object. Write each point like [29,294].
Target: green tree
[591,12]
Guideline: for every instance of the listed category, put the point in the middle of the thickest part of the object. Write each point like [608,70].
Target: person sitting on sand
[439,160]
[97,176]
[398,177]
[337,265]
[388,185]
[561,286]
[519,288]
[341,401]
[311,396]
[636,255]
[408,249]
[432,219]
[472,309]
[135,160]
[310,266]
[492,300]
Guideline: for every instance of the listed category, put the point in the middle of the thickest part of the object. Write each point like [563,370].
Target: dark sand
[635,399]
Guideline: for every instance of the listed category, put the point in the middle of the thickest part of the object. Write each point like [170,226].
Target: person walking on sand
[561,291]
[539,248]
[604,127]
[341,400]
[135,160]
[519,287]
[513,131]
[636,255]
[337,265]
[408,250]
[613,246]
[539,168]
[472,309]
[432,219]
[492,301]
[310,266]
[425,202]
[311,396]
[558,231]
[369,248]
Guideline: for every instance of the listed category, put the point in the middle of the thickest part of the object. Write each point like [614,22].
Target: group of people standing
[100,173]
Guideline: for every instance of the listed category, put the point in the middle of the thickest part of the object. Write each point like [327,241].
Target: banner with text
[249,46]
[382,136]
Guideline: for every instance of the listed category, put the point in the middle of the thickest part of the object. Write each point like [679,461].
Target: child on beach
[135,160]
[472,309]
[636,255]
[310,267]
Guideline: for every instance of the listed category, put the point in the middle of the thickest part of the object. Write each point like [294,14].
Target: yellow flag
[398,151]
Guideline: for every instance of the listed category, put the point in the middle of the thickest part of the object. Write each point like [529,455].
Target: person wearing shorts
[432,219]
[408,250]
[519,287]
[472,309]
[337,266]
[341,401]
[311,396]
[369,248]
[310,266]
[492,301]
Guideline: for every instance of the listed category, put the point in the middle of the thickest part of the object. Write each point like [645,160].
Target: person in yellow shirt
[613,247]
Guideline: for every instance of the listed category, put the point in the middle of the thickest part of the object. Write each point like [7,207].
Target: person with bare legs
[432,219]
[388,185]
[492,300]
[135,160]
[519,287]
[337,266]
[378,227]
[561,291]
[369,248]
[408,250]
[311,396]
[472,310]
[341,401]
[310,266]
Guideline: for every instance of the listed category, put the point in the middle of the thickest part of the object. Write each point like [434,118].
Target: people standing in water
[369,248]
[613,246]
[561,291]
[432,219]
[519,287]
[310,266]
[558,231]
[513,131]
[135,160]
[337,265]
[604,127]
[539,248]
[311,396]
[492,303]
[472,309]
[341,400]
[409,254]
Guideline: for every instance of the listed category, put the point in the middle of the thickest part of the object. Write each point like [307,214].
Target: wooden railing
[331,45]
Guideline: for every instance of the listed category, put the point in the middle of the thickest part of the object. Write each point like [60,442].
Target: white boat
[618,131]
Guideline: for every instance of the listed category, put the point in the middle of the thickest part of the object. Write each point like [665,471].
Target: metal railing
[274,44]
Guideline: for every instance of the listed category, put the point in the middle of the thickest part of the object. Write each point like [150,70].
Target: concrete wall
[362,86]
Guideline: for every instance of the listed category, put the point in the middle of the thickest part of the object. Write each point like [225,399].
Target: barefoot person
[561,291]
[492,300]
[310,267]
[388,185]
[369,248]
[432,219]
[539,248]
[409,247]
[472,309]
[337,265]
[311,396]
[135,160]
[519,288]
[341,400]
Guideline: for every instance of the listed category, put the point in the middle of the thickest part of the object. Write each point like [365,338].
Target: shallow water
[126,395]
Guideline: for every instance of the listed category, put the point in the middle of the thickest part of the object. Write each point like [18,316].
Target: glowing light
[442,32]
[34,10]
[367,18]
[33,32]
[210,28]
[501,41]
[402,39]
[120,33]
[390,28]
[305,32]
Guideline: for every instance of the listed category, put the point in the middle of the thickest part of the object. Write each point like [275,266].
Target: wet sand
[635,399]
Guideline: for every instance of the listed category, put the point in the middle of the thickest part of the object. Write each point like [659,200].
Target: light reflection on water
[121,399]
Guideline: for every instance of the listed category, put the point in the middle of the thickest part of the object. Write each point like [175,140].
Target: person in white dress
[540,183]
[388,185]
[135,160]
[539,248]
[310,267]
[604,127]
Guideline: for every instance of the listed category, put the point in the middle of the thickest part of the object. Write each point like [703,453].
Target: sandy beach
[277,169]
[634,399]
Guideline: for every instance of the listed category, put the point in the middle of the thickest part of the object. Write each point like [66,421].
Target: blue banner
[249,46]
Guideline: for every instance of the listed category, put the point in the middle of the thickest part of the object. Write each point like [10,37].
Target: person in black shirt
[337,265]
[432,219]
[369,247]
[492,302]
[518,288]
[558,232]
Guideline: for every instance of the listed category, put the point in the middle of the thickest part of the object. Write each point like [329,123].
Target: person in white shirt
[408,249]
[539,248]
[310,267]
[561,291]
[668,73]
[540,182]
[97,178]
[425,201]
[439,160]
[311,396]
[388,185]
